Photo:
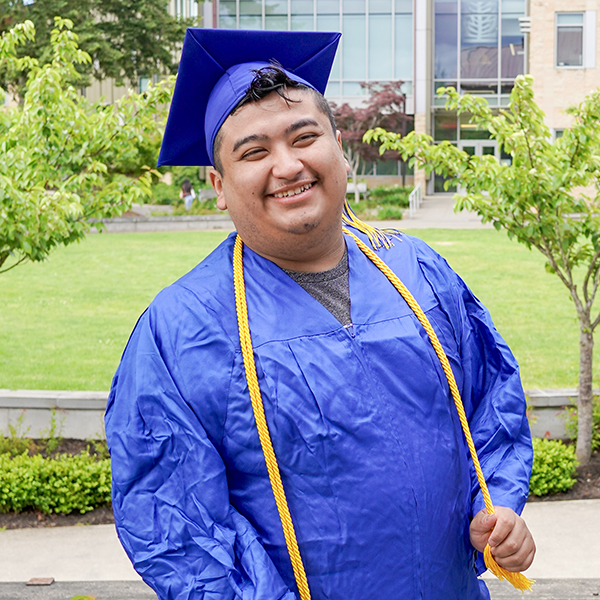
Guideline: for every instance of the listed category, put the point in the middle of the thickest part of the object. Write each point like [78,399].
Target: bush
[164,194]
[199,207]
[554,467]
[386,213]
[571,424]
[393,195]
[54,485]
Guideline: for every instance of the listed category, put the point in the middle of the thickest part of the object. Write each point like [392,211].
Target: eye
[306,138]
[253,153]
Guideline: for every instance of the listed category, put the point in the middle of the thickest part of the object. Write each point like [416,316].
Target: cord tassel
[377,237]
[518,580]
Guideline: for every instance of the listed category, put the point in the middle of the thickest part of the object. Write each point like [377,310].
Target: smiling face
[283,180]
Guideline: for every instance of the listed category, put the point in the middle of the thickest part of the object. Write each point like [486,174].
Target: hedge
[554,467]
[54,485]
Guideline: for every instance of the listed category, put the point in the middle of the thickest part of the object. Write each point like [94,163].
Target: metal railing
[415,199]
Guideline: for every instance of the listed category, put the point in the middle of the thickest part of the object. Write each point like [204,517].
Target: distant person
[187,194]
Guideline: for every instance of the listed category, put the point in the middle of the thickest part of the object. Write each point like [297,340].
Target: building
[477,46]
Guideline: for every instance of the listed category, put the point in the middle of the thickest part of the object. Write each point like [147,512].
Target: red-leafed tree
[386,104]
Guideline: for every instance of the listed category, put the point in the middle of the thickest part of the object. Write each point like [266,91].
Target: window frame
[583,41]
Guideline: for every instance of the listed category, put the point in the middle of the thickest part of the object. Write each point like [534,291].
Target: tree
[126,39]
[61,157]
[548,198]
[385,108]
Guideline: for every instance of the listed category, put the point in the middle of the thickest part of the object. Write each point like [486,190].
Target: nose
[286,162]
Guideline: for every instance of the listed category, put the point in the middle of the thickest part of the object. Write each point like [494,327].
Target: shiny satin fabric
[375,467]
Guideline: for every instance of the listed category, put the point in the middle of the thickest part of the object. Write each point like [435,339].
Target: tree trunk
[584,400]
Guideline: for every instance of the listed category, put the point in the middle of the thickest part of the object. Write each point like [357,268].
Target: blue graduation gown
[373,460]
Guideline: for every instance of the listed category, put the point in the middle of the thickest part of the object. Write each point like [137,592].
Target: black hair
[272,79]
[186,186]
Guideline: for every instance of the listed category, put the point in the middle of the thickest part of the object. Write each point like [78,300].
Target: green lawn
[64,323]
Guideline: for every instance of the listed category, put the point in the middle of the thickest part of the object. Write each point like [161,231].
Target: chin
[300,228]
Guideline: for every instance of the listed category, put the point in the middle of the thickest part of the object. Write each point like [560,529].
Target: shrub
[54,485]
[389,213]
[554,467]
[393,195]
[199,207]
[164,194]
[571,424]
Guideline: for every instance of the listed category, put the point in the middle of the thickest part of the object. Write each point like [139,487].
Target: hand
[507,534]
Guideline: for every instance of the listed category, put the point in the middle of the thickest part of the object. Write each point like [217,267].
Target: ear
[216,180]
[338,137]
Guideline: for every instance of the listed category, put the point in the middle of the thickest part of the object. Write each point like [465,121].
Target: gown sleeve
[488,377]
[170,492]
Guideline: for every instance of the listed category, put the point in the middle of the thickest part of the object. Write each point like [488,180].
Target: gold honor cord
[261,422]
[518,580]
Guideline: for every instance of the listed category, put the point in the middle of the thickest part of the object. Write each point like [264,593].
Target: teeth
[293,192]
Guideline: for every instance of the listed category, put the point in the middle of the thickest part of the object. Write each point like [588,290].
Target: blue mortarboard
[216,69]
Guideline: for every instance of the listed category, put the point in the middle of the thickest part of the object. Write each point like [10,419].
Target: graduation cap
[216,69]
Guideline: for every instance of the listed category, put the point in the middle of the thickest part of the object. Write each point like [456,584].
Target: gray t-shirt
[331,288]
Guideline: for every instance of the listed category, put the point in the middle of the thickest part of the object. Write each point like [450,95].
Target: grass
[65,322]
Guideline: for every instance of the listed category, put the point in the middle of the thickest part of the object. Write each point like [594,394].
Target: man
[372,463]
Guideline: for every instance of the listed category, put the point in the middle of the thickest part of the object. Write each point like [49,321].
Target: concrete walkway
[437,212]
[567,561]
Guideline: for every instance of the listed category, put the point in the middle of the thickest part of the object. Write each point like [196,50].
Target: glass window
[513,47]
[404,6]
[353,7]
[380,47]
[479,7]
[276,7]
[446,45]
[380,7]
[404,48]
[226,22]
[352,88]
[479,88]
[302,23]
[445,127]
[276,22]
[250,7]
[446,7]
[513,6]
[354,60]
[333,89]
[250,22]
[227,9]
[302,7]
[471,131]
[479,39]
[328,7]
[387,167]
[569,39]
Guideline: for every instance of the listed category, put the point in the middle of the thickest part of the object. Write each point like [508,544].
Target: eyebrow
[250,138]
[300,124]
[255,137]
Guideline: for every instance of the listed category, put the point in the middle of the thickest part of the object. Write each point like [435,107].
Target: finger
[517,551]
[481,527]
[505,524]
[520,561]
